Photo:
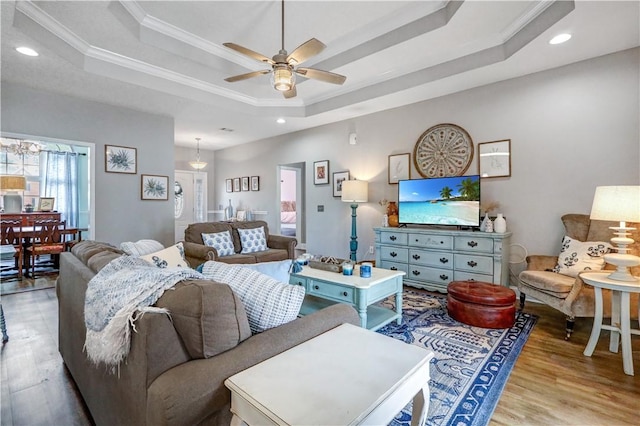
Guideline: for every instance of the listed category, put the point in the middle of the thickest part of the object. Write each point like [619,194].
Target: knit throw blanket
[116,296]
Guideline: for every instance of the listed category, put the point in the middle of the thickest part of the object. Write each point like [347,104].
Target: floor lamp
[620,204]
[354,192]
[12,201]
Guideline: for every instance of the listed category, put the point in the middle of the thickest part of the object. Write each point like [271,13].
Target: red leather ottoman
[481,304]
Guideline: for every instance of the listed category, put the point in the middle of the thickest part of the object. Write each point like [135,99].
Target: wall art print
[494,159]
[154,187]
[255,183]
[120,159]
[338,178]
[321,172]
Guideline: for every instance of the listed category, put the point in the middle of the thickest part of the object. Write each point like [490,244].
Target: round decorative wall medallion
[443,150]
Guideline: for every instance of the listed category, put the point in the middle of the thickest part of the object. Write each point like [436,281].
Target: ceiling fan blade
[290,93]
[246,76]
[248,52]
[305,51]
[325,76]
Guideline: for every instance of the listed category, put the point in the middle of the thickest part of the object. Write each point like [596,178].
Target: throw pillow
[252,240]
[278,270]
[268,303]
[577,256]
[141,247]
[221,241]
[171,257]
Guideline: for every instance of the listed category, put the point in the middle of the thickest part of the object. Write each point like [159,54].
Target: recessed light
[281,120]
[27,51]
[560,38]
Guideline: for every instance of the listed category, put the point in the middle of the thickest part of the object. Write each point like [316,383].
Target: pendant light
[198,165]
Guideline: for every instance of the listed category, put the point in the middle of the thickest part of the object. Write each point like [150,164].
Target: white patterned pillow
[252,240]
[171,257]
[141,247]
[577,256]
[221,241]
[268,303]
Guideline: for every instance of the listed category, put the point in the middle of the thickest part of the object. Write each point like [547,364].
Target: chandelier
[198,165]
[22,147]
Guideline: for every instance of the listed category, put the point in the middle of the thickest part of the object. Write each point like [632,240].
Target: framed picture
[338,178]
[236,184]
[229,184]
[494,159]
[46,204]
[241,215]
[154,187]
[120,159]
[255,183]
[399,167]
[321,172]
[245,183]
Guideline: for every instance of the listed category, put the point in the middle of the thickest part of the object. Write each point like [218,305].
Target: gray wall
[571,129]
[120,214]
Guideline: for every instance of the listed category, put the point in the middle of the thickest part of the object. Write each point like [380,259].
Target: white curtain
[59,179]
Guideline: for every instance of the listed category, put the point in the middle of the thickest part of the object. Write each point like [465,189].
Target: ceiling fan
[284,67]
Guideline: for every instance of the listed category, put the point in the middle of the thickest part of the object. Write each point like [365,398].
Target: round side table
[620,315]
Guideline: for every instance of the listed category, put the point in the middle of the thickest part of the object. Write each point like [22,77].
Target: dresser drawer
[443,242]
[394,266]
[395,254]
[298,281]
[423,273]
[470,276]
[474,244]
[331,291]
[472,263]
[431,258]
[387,237]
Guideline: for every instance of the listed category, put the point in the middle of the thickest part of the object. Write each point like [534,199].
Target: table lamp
[619,203]
[12,201]
[354,192]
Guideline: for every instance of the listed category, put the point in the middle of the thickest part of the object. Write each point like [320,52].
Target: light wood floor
[552,383]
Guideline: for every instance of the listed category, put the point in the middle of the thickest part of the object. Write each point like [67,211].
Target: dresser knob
[393,254]
[393,238]
[444,277]
[472,263]
[315,287]
[416,273]
[472,244]
[444,260]
[416,256]
[393,268]
[344,293]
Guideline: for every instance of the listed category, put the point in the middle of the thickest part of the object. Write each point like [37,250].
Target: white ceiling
[167,57]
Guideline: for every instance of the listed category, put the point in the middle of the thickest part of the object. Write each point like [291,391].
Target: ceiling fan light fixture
[283,78]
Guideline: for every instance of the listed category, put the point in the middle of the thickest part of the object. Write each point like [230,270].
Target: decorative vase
[385,220]
[500,224]
[229,211]
[483,224]
[392,213]
[489,226]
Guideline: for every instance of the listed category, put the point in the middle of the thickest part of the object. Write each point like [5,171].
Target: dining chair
[11,237]
[47,238]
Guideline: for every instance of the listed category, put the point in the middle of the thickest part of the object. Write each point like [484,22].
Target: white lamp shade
[616,203]
[355,191]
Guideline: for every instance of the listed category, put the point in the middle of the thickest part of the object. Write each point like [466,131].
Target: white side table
[620,315]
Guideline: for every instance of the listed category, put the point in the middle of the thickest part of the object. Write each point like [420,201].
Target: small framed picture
[120,159]
[399,168]
[154,187]
[46,204]
[236,184]
[321,172]
[338,178]
[241,215]
[494,159]
[229,185]
[245,183]
[255,183]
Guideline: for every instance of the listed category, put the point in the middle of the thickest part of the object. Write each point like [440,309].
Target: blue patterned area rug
[471,364]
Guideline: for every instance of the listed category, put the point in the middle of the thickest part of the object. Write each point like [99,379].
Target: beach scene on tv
[440,201]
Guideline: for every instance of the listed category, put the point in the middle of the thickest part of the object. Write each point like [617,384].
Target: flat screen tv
[440,201]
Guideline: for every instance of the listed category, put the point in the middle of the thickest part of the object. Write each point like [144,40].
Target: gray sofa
[279,247]
[175,371]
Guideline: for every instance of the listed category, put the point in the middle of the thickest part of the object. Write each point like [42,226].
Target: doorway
[190,200]
[291,196]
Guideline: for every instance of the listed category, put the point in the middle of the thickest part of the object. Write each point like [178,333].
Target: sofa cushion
[252,240]
[171,257]
[84,250]
[247,225]
[269,303]
[577,256]
[101,259]
[140,247]
[548,282]
[270,255]
[208,316]
[278,270]
[194,231]
[221,241]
